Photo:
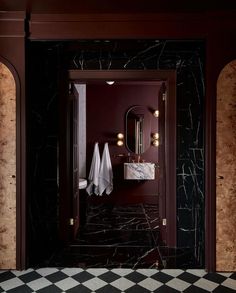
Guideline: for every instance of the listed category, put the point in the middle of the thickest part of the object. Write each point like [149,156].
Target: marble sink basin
[139,171]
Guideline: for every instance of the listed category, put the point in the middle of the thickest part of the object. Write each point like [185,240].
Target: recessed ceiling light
[110,82]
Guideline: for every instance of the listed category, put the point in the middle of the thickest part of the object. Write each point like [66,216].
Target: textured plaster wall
[7,169]
[226,170]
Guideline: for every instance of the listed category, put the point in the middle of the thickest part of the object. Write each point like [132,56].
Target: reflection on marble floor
[115,236]
[125,236]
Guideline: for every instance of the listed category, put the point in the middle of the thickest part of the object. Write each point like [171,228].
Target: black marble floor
[126,236]
[113,236]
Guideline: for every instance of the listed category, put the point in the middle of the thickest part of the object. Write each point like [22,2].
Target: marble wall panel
[226,170]
[7,169]
[187,57]
[42,154]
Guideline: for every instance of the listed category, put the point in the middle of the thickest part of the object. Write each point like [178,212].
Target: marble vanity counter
[139,171]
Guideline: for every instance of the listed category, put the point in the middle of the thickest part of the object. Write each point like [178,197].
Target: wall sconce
[156,113]
[155,142]
[155,139]
[120,139]
[155,135]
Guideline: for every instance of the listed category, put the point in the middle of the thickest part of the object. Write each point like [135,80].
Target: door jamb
[169,76]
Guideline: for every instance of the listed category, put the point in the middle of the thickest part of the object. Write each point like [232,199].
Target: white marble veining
[139,171]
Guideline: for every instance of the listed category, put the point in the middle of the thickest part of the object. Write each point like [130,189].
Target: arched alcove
[7,168]
[226,169]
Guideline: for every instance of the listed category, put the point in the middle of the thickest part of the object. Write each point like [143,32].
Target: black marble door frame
[185,57]
[170,77]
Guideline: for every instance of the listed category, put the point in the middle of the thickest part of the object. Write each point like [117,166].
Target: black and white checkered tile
[55,280]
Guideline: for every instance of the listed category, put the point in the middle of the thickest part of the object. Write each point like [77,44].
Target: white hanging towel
[94,172]
[105,174]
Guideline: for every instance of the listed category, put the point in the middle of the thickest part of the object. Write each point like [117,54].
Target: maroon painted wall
[216,25]
[106,109]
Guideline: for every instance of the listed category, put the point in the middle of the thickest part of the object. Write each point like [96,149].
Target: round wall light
[156,113]
[120,136]
[120,142]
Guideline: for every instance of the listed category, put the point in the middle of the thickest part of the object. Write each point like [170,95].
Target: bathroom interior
[125,228]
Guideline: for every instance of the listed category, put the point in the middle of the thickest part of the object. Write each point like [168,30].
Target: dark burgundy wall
[217,27]
[106,109]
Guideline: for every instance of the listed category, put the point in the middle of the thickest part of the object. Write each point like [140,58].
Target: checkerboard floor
[55,280]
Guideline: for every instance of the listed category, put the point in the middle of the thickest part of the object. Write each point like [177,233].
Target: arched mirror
[138,129]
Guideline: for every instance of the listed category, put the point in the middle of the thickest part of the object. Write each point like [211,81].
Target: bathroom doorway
[52,60]
[149,204]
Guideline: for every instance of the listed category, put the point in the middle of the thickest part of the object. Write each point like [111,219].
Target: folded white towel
[94,172]
[105,174]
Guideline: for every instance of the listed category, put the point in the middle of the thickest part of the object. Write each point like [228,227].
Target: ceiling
[118,6]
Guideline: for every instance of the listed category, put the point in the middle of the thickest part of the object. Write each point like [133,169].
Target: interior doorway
[46,84]
[144,202]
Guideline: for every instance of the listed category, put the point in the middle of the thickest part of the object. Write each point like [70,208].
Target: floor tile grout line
[136,282]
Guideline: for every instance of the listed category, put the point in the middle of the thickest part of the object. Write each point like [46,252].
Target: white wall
[81,89]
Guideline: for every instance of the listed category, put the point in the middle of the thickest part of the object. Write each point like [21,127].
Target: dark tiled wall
[187,57]
[42,138]
[190,160]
